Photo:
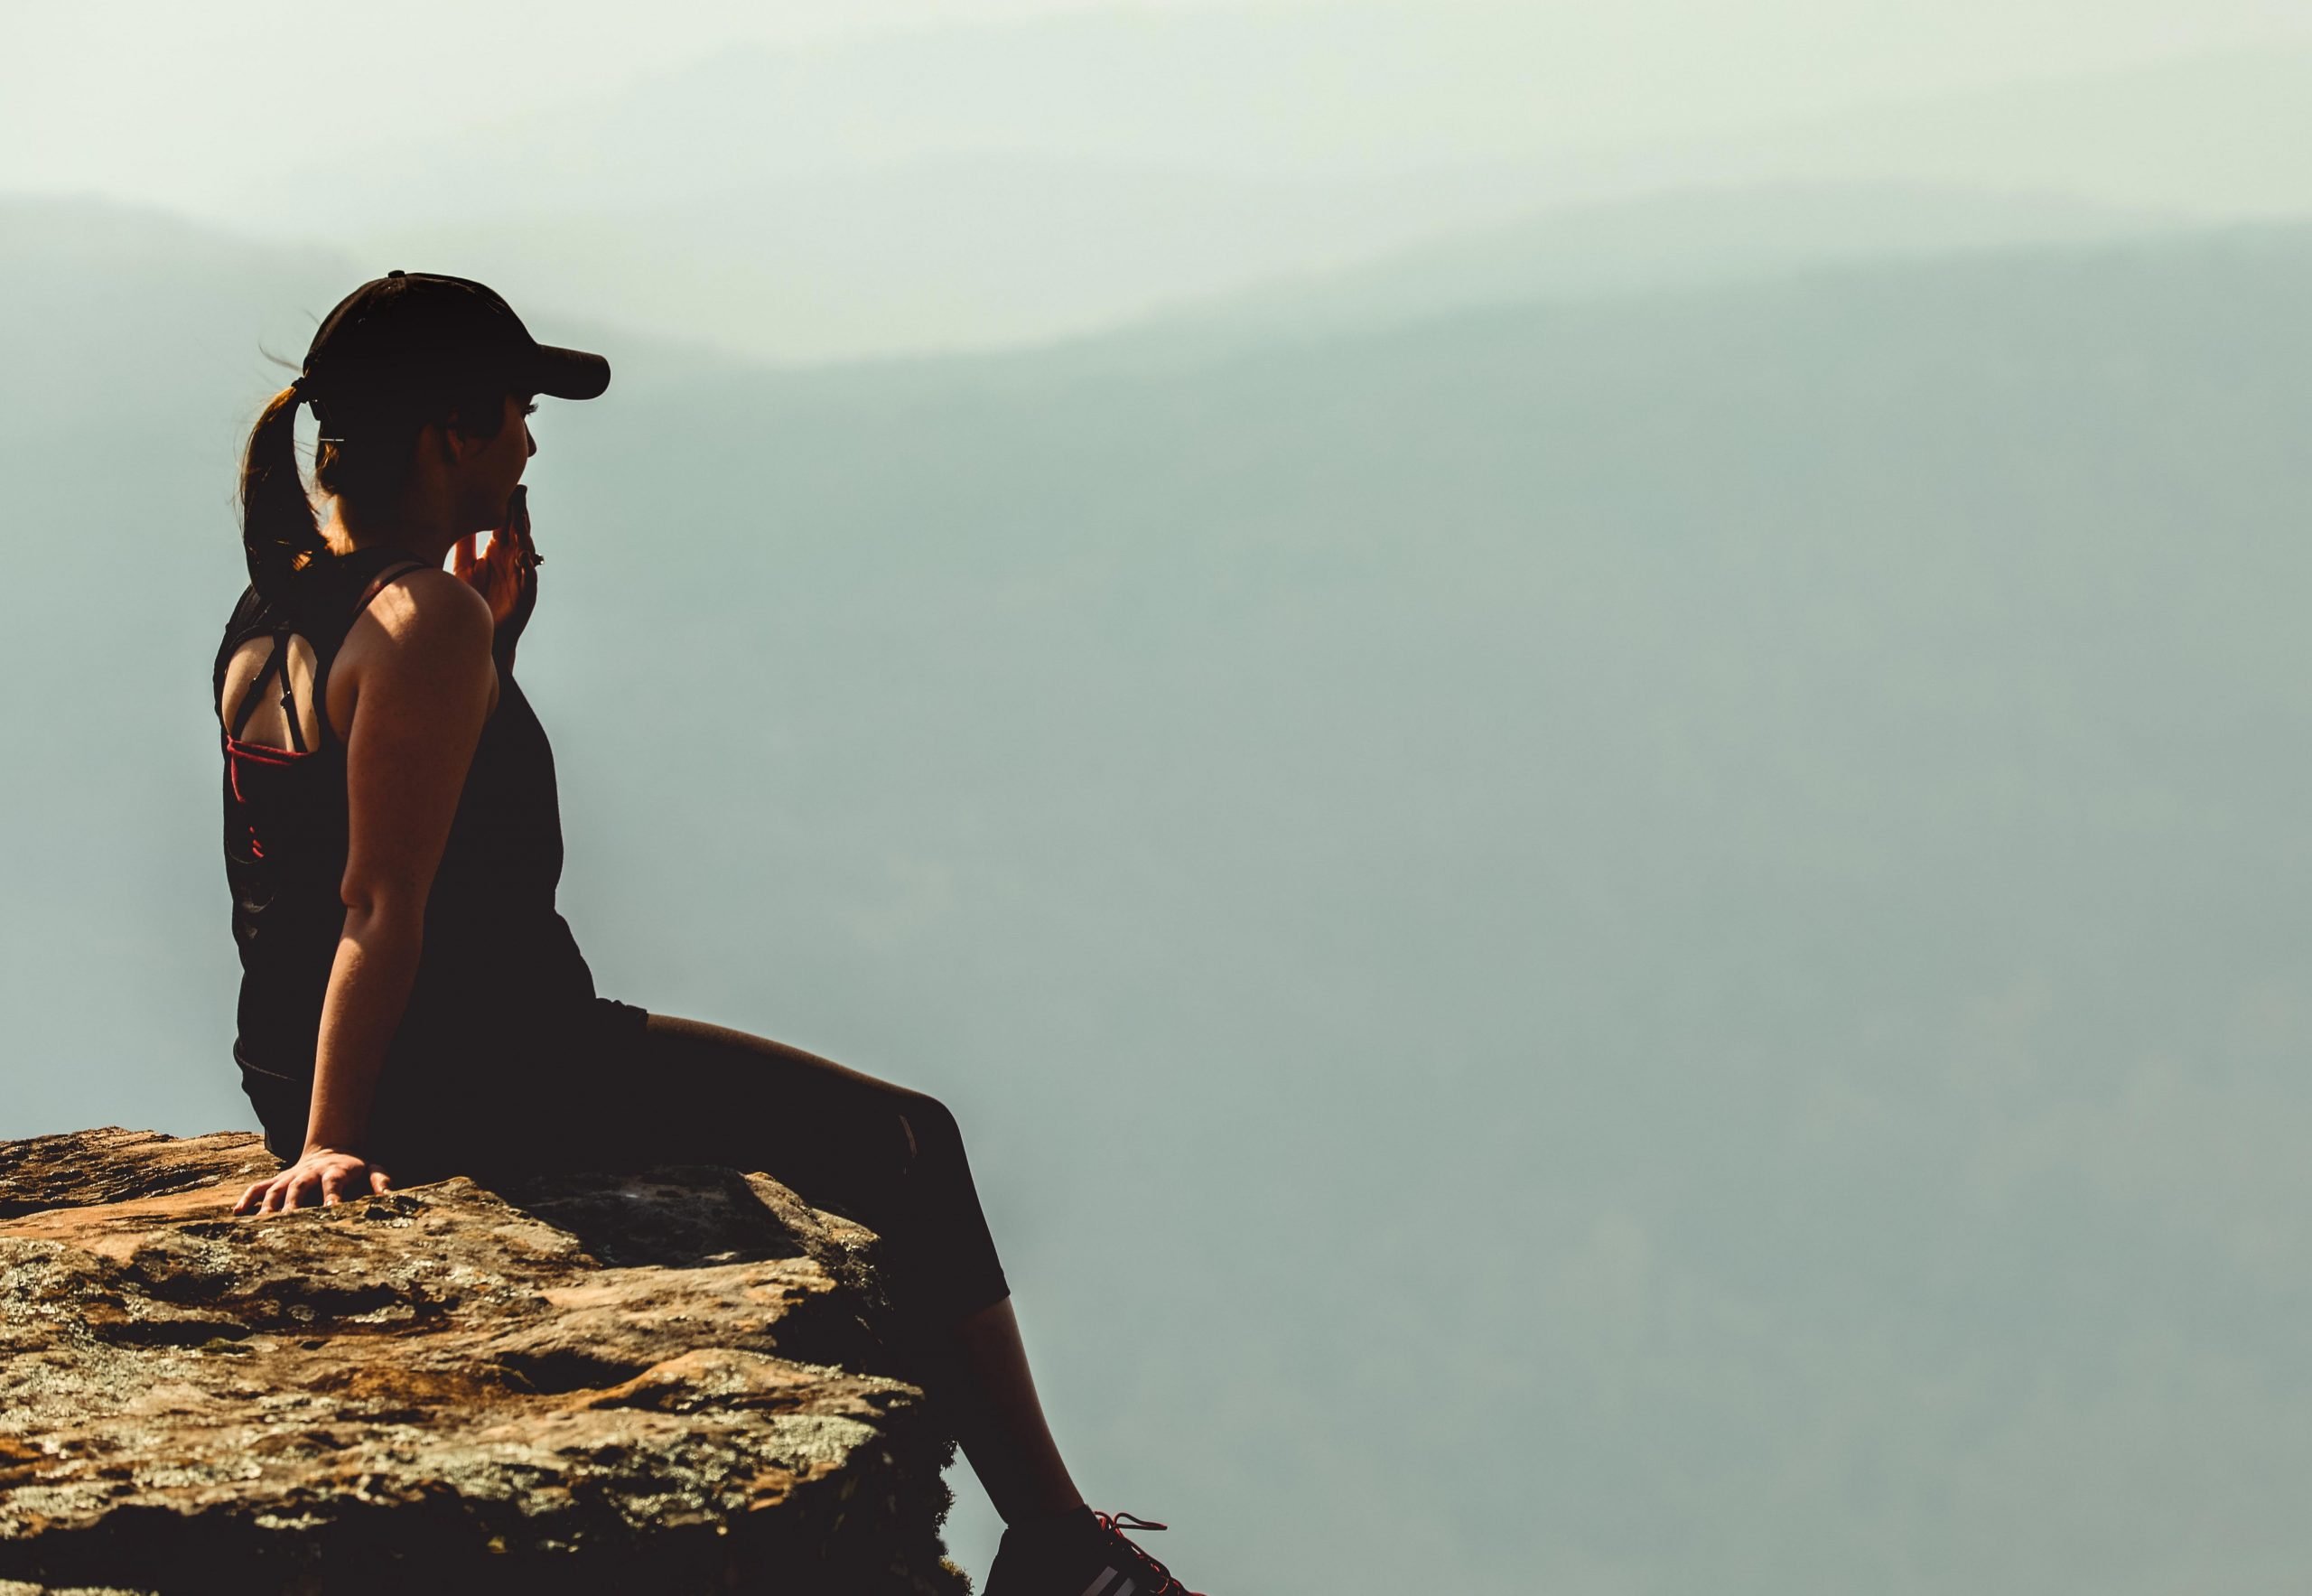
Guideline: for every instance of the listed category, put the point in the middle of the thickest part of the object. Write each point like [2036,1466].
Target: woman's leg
[893,1159]
[1000,1420]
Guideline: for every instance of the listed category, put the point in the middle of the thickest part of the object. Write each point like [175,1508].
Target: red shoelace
[1117,1524]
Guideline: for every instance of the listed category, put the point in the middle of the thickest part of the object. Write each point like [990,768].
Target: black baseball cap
[410,334]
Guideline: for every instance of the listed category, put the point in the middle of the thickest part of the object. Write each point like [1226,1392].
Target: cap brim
[568,374]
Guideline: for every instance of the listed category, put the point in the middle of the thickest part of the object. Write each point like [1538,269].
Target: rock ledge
[663,1382]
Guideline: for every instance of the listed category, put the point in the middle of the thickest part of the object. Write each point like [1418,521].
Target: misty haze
[1583,752]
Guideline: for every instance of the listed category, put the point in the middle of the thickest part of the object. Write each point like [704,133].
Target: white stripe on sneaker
[1100,1584]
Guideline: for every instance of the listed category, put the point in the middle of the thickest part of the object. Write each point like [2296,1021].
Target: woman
[411,1001]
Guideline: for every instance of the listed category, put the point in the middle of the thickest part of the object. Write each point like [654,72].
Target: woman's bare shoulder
[426,632]
[431,607]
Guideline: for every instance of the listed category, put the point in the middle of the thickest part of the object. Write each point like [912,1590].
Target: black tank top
[500,983]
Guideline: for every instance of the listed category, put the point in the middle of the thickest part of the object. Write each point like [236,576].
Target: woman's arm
[418,664]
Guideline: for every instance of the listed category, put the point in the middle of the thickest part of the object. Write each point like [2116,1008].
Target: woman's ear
[458,440]
[455,439]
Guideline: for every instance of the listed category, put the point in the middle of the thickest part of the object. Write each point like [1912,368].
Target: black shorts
[618,1088]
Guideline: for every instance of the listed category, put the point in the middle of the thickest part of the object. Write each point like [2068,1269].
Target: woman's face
[495,466]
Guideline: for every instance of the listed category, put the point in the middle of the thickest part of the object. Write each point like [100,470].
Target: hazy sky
[1590,940]
[175,103]
[130,97]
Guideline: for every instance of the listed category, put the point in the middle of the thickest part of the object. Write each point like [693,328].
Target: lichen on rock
[669,1381]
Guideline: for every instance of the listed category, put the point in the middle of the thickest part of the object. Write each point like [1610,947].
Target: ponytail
[278,530]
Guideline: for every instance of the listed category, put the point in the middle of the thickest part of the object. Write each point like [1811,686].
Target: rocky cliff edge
[665,1382]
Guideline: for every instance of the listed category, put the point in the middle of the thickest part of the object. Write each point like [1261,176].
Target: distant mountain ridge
[66,251]
[1690,239]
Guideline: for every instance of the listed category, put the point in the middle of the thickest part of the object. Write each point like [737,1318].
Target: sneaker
[1079,1554]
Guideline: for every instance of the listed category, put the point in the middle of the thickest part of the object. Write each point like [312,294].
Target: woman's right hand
[325,1175]
[506,575]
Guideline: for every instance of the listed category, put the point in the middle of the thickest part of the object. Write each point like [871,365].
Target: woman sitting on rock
[411,1000]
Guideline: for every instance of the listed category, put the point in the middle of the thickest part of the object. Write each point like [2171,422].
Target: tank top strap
[377,584]
[394,567]
[275,663]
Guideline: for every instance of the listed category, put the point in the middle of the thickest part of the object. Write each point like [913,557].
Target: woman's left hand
[507,574]
[323,1175]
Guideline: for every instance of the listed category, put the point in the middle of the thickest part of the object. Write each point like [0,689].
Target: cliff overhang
[662,1381]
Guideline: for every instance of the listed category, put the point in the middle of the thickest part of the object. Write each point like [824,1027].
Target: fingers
[519,523]
[265,1196]
[289,1189]
[501,575]
[301,1185]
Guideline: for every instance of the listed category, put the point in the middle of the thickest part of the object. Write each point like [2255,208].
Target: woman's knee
[929,1127]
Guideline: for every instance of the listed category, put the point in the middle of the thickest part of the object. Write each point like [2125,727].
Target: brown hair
[278,531]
